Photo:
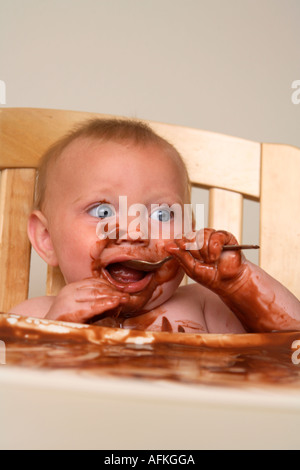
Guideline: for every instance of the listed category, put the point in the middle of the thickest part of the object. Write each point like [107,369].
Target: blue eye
[102,211]
[162,215]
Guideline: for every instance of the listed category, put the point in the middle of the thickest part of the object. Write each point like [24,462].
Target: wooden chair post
[280,214]
[16,200]
[226,211]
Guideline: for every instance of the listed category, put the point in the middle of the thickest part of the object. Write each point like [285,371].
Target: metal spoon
[141,265]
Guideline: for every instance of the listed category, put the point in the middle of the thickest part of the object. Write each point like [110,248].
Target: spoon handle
[240,247]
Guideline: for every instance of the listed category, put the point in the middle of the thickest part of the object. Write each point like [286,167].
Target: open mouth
[121,273]
[128,279]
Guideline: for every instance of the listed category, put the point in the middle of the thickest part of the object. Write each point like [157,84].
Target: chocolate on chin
[263,359]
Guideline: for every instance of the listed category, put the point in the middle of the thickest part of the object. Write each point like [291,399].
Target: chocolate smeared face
[143,287]
[91,173]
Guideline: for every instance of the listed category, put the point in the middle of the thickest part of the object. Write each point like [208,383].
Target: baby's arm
[259,301]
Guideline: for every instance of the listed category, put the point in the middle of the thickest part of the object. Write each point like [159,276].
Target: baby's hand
[80,301]
[209,265]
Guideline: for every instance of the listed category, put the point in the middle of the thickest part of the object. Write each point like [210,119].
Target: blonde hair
[112,129]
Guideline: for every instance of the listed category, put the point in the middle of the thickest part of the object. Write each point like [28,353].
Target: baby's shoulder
[37,307]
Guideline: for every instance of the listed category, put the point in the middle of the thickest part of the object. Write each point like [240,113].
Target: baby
[83,181]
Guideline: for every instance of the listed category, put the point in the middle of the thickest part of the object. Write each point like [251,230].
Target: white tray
[71,409]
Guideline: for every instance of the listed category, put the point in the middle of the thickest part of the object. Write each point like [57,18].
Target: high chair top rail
[25,134]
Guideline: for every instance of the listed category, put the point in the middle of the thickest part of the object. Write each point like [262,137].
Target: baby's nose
[136,237]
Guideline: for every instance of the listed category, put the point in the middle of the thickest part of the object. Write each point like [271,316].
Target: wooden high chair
[230,167]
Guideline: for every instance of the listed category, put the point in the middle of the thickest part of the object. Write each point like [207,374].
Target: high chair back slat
[216,160]
[26,133]
[222,218]
[231,168]
[16,199]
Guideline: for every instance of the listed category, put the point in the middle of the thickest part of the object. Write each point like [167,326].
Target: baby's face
[82,200]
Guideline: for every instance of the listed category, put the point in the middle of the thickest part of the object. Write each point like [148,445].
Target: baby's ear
[40,238]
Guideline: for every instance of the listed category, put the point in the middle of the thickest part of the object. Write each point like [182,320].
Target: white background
[220,65]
